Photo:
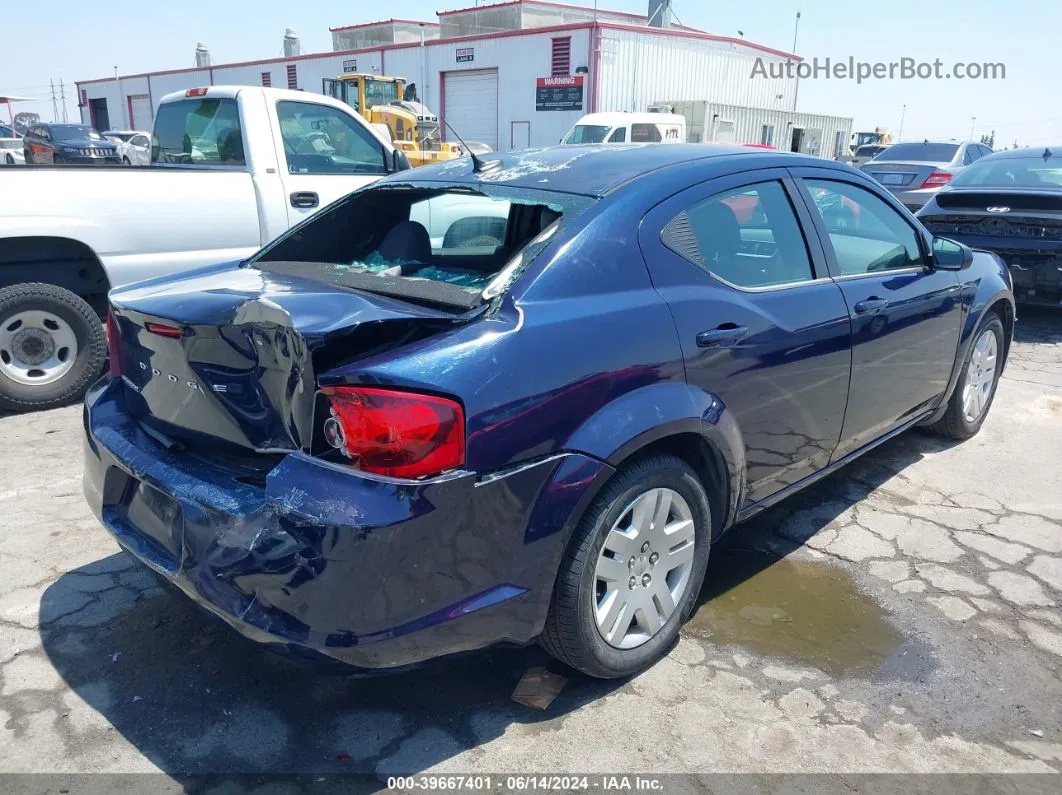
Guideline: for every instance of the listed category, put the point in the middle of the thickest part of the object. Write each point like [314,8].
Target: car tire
[581,596]
[57,317]
[959,422]
[28,156]
[9,159]
[125,161]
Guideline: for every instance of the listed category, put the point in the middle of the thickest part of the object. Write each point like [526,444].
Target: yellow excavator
[386,101]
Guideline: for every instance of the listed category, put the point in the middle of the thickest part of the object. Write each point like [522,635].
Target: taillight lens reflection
[936,179]
[400,434]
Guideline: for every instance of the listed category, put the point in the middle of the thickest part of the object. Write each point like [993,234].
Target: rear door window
[619,136]
[203,131]
[748,237]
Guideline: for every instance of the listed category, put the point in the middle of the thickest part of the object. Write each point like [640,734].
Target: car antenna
[478,164]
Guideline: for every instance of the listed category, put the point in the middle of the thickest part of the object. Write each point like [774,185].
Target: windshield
[866,138]
[126,137]
[1012,172]
[74,132]
[432,244]
[587,134]
[202,131]
[380,92]
[919,153]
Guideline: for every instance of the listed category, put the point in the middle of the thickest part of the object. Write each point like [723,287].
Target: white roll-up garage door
[140,105]
[471,105]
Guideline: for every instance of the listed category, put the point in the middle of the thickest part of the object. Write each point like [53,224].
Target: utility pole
[62,98]
[55,109]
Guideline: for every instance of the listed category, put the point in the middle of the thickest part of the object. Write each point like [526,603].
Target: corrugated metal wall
[638,69]
[820,137]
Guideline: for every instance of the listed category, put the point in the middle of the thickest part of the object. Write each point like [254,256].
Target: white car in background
[133,145]
[10,147]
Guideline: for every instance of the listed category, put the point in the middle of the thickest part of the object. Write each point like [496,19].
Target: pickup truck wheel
[633,570]
[969,404]
[52,346]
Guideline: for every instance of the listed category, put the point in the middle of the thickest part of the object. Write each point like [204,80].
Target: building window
[562,57]
[267,79]
[293,75]
[767,135]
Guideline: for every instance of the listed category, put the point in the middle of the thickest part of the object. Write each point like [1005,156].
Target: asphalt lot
[913,625]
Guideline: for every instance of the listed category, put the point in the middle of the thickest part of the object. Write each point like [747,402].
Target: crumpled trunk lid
[224,361]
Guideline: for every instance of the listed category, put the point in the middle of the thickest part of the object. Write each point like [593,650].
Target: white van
[622,128]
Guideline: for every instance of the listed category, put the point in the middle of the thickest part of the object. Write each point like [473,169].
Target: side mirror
[399,161]
[950,255]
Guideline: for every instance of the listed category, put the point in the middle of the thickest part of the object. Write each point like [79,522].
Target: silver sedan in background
[913,172]
[133,145]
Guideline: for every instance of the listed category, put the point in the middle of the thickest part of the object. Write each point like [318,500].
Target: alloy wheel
[980,376]
[643,569]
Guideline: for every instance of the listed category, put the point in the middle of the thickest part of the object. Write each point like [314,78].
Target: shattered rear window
[439,244]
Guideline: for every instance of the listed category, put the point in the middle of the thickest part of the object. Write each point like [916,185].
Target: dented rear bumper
[377,573]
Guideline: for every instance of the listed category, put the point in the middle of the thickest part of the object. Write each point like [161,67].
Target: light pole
[973,123]
[903,115]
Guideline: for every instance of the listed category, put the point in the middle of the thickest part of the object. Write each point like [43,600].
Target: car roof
[1028,151]
[622,117]
[588,169]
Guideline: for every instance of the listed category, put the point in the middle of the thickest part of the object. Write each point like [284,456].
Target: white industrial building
[512,75]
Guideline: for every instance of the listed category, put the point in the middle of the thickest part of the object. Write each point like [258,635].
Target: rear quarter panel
[561,362]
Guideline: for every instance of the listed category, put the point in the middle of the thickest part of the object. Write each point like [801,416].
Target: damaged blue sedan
[517,400]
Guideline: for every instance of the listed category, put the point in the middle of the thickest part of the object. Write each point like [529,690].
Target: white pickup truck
[232,167]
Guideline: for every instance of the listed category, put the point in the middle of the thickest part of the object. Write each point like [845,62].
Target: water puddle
[806,611]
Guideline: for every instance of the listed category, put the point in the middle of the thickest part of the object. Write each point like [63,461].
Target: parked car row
[75,144]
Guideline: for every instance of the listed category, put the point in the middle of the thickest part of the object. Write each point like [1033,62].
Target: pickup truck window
[200,131]
[319,139]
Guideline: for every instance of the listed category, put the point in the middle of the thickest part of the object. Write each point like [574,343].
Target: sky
[70,43]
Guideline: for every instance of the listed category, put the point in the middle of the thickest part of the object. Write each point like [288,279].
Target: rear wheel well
[704,459]
[60,261]
[1006,316]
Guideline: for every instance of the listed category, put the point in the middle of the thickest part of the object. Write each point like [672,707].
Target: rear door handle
[722,335]
[870,305]
[305,198]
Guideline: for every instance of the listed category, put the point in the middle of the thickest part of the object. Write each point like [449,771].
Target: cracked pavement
[954,551]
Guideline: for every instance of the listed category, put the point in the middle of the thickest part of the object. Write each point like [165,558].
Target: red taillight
[114,348]
[936,179]
[195,92]
[396,433]
[173,332]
